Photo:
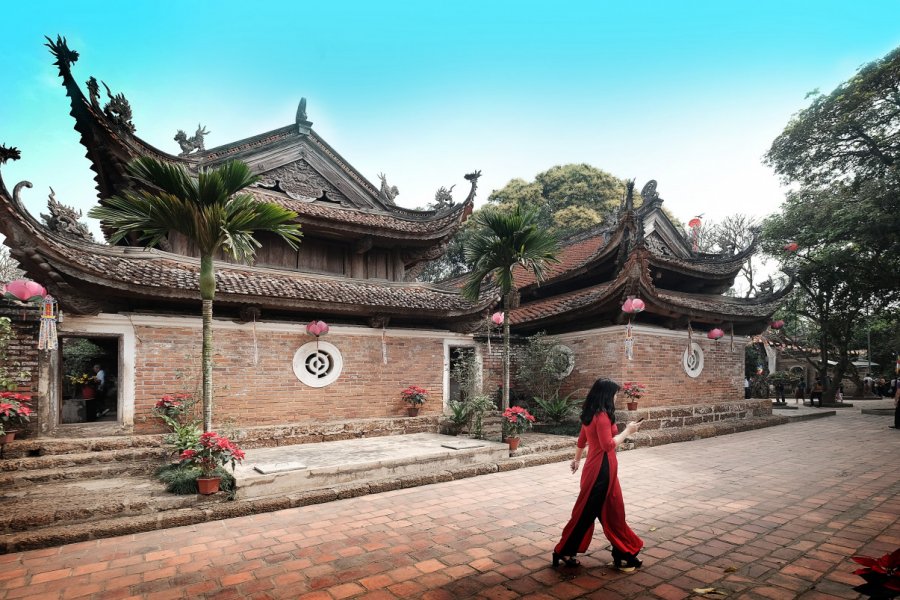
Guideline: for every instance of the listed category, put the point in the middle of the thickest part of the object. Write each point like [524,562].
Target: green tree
[567,199]
[209,210]
[853,131]
[834,275]
[502,241]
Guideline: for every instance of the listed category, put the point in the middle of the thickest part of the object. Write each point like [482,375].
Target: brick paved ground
[767,514]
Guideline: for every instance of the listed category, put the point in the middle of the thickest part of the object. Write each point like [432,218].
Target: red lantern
[715,334]
[695,225]
[25,290]
[628,306]
[497,318]
[791,246]
[637,305]
[776,324]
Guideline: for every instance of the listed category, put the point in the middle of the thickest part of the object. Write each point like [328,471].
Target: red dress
[600,496]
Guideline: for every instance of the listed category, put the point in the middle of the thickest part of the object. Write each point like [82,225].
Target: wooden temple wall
[314,256]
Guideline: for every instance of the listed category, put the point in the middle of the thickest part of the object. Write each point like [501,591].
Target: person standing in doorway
[100,401]
[800,394]
[746,388]
[600,496]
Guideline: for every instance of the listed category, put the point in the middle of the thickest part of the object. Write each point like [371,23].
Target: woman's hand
[574,465]
[632,427]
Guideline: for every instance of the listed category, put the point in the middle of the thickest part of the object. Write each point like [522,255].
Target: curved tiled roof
[573,254]
[96,270]
[443,225]
[559,304]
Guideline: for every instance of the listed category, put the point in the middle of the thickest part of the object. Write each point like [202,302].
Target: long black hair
[600,398]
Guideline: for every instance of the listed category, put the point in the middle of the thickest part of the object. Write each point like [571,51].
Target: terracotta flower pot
[8,436]
[208,485]
[88,392]
[632,405]
[513,442]
[413,411]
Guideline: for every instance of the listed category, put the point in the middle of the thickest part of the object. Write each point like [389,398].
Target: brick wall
[268,393]
[23,354]
[657,363]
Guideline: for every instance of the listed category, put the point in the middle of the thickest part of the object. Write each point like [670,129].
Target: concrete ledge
[886,412]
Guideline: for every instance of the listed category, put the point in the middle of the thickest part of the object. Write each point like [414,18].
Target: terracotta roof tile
[324,212]
[571,256]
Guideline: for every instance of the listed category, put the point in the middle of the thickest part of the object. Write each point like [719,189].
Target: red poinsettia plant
[14,409]
[633,390]
[516,420]
[882,575]
[172,405]
[211,452]
[414,395]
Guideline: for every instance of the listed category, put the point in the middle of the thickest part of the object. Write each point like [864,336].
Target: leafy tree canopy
[568,198]
[853,132]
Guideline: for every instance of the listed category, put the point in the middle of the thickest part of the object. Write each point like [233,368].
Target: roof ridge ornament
[118,110]
[303,122]
[387,192]
[65,57]
[195,142]
[65,219]
[650,195]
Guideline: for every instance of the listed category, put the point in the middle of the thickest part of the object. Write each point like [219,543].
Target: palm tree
[501,241]
[208,210]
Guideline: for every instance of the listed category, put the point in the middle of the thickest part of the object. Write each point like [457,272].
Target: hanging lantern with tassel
[24,290]
[317,328]
[715,335]
[631,306]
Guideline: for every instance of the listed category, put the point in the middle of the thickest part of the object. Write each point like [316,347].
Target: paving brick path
[767,514]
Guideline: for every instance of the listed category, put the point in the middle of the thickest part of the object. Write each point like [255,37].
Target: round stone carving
[693,360]
[570,359]
[318,365]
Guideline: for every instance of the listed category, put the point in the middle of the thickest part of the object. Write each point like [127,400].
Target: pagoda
[355,269]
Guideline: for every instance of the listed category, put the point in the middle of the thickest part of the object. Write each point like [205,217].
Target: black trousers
[592,510]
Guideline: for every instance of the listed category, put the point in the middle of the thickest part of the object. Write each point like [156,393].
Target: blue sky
[688,93]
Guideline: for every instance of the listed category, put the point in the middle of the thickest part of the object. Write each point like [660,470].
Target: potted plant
[14,411]
[415,397]
[515,421]
[84,386]
[212,452]
[634,391]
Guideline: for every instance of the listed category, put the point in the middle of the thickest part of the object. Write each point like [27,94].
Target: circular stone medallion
[693,360]
[318,365]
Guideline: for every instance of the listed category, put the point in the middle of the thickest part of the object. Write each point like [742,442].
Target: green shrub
[182,480]
[555,409]
[460,415]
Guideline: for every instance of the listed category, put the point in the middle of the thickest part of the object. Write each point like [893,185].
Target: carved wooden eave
[87,278]
[600,304]
[598,254]
[295,165]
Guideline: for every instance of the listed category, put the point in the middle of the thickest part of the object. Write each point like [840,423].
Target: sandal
[568,561]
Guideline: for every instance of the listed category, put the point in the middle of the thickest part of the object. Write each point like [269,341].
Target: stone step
[74,502]
[28,477]
[49,446]
[198,509]
[290,469]
[59,461]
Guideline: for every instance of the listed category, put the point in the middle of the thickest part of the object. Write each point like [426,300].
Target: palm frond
[500,242]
